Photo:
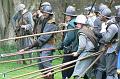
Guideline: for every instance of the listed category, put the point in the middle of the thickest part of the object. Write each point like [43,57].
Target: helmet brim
[108,17]
[69,14]
[48,12]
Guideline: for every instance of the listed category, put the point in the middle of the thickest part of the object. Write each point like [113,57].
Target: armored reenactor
[109,31]
[117,20]
[45,41]
[93,20]
[97,23]
[67,43]
[87,43]
[23,25]
[38,18]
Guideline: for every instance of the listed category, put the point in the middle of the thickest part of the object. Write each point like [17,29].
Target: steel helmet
[70,11]
[45,4]
[106,12]
[47,9]
[20,7]
[81,19]
[102,6]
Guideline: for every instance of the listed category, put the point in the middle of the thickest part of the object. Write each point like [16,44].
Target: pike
[25,52]
[56,71]
[53,32]
[4,73]
[91,65]
[110,4]
[67,63]
[92,6]
[43,69]
[104,49]
[47,72]
[26,59]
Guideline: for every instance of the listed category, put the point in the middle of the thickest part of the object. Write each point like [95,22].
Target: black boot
[85,77]
[118,76]
[76,77]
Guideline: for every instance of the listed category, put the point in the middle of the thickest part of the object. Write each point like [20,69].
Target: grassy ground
[8,66]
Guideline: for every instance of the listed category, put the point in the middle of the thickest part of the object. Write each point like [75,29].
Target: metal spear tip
[2,55]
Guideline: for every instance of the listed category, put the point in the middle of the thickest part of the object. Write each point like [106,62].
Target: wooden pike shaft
[80,59]
[26,59]
[29,65]
[38,70]
[26,52]
[55,72]
[57,67]
[37,34]
[90,65]
[67,63]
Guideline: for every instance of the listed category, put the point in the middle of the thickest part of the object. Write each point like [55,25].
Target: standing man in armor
[87,43]
[47,40]
[117,20]
[109,31]
[23,25]
[38,18]
[69,40]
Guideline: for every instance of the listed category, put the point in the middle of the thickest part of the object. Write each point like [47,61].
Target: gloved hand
[103,27]
[75,54]
[24,27]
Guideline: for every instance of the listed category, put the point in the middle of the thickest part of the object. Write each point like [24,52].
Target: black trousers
[118,76]
[68,72]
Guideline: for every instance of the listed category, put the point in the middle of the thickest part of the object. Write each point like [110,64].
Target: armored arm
[110,33]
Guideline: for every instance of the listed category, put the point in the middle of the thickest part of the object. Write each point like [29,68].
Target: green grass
[9,66]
